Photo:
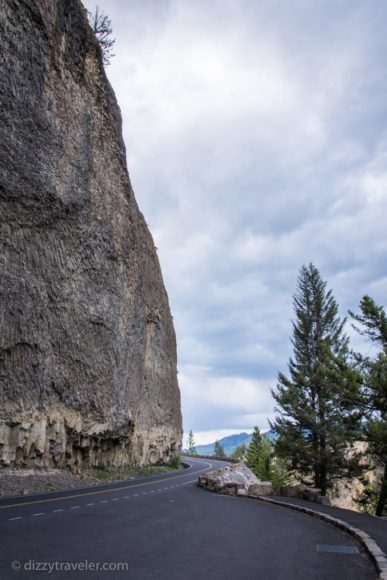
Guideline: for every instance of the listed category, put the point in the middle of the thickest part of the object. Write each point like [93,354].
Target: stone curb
[376,554]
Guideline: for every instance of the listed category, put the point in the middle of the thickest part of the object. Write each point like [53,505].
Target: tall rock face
[87,344]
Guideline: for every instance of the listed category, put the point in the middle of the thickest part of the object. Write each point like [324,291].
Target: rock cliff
[87,344]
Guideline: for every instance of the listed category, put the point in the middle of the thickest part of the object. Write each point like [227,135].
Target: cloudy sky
[256,136]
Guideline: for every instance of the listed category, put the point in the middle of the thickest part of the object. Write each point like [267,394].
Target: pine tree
[317,419]
[240,451]
[259,455]
[191,444]
[102,28]
[219,450]
[373,396]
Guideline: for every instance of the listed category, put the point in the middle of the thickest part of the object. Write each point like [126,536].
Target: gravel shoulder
[27,481]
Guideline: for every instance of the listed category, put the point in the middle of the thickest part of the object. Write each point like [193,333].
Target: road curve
[165,527]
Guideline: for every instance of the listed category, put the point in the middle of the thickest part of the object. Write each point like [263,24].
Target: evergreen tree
[191,444]
[240,451]
[259,456]
[279,471]
[317,419]
[373,396]
[219,450]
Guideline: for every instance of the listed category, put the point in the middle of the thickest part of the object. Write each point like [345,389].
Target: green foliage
[369,499]
[175,461]
[262,461]
[373,321]
[279,471]
[219,450]
[317,419]
[240,451]
[130,472]
[373,395]
[191,444]
[102,28]
[104,474]
[258,456]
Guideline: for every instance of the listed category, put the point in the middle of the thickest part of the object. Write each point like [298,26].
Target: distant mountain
[271,435]
[231,442]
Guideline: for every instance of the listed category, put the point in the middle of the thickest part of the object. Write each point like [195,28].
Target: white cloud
[228,402]
[256,142]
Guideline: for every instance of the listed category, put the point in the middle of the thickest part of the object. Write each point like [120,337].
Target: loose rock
[231,480]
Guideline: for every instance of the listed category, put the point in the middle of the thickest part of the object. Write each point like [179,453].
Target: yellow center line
[115,489]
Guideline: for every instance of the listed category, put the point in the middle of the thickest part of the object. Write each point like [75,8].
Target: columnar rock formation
[87,345]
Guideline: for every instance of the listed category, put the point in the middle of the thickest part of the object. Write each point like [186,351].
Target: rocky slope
[87,345]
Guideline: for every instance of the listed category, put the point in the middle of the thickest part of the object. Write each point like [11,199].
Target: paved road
[166,528]
[375,527]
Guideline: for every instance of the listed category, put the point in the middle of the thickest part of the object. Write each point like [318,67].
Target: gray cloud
[256,139]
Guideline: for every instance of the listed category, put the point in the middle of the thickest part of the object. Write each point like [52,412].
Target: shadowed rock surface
[87,344]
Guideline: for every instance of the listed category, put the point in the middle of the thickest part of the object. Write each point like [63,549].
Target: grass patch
[129,472]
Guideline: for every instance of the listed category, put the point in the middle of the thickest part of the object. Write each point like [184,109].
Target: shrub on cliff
[102,28]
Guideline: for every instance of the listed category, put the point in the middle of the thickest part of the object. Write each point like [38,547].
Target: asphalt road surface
[166,528]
